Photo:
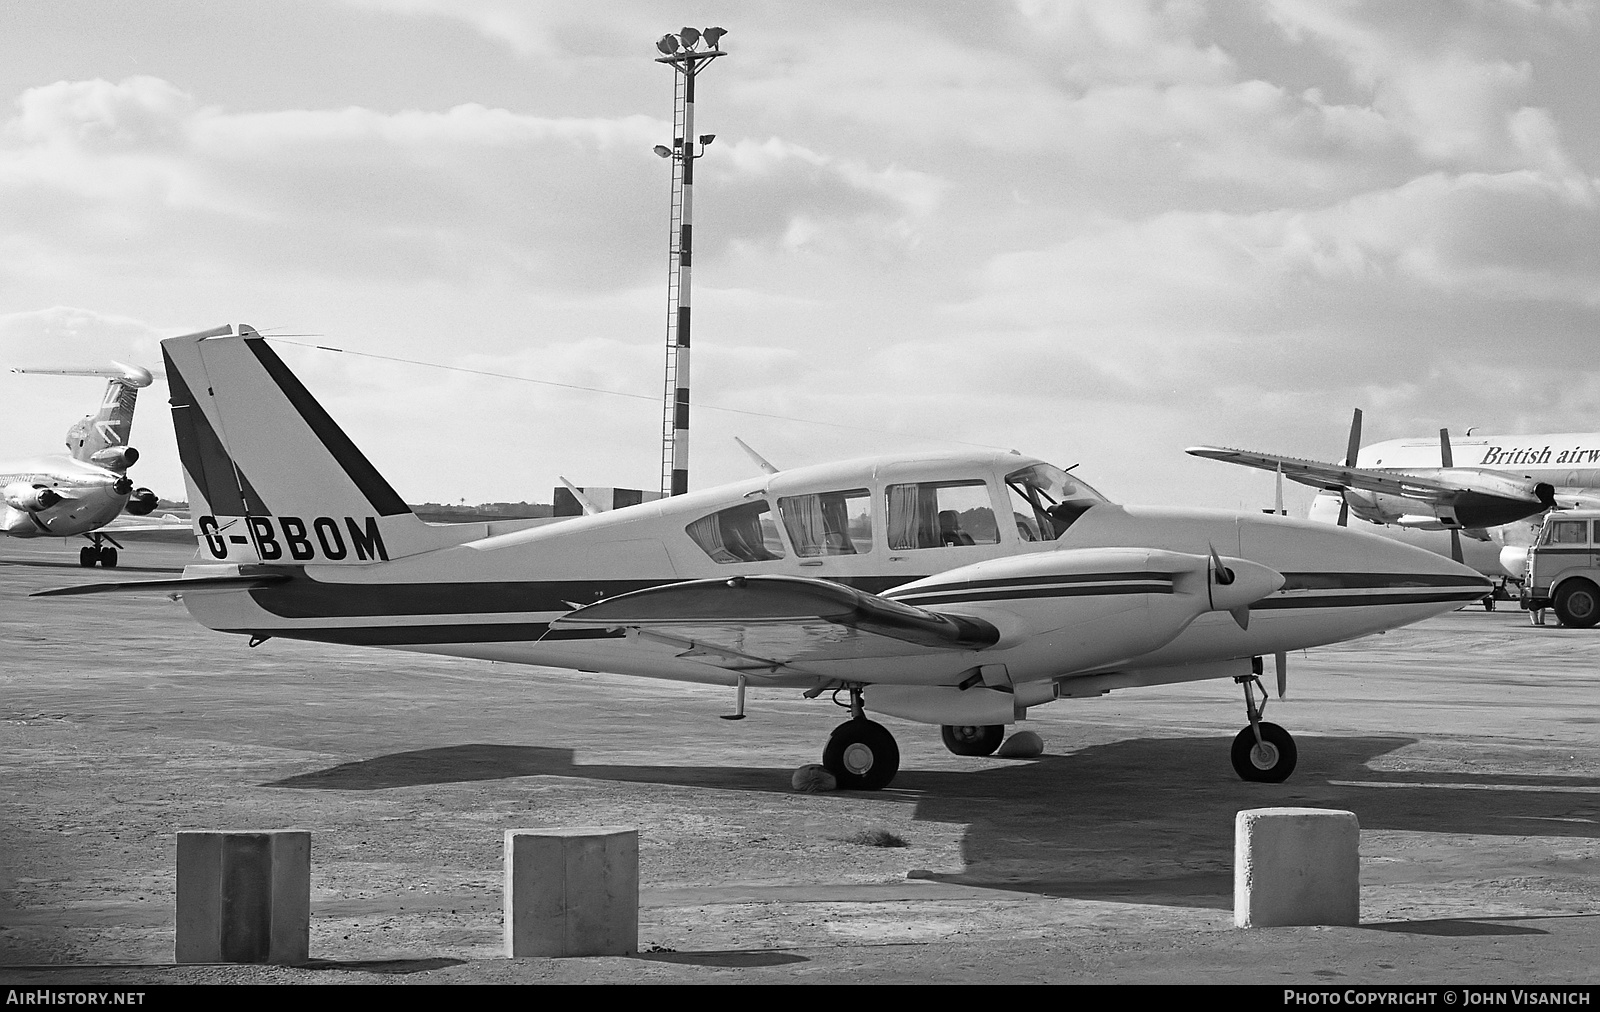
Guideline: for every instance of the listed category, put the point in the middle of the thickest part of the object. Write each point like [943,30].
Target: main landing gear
[99,553]
[1263,752]
[972,739]
[861,754]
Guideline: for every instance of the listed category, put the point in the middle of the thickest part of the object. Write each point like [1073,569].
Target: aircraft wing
[1335,477]
[772,622]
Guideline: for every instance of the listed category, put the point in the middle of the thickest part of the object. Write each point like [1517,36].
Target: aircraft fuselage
[87,497]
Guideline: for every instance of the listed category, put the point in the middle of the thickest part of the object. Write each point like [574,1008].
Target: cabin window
[940,514]
[829,523]
[1569,532]
[743,533]
[1045,500]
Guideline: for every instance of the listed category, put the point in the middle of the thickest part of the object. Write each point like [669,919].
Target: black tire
[1488,604]
[972,739]
[87,557]
[1269,764]
[108,558]
[1577,604]
[862,755]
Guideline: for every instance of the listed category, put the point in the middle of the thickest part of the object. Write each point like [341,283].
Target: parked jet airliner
[82,492]
[958,589]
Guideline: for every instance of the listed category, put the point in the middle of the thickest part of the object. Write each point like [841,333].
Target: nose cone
[1514,560]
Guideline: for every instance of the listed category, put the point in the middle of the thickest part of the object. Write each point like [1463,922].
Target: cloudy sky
[1095,231]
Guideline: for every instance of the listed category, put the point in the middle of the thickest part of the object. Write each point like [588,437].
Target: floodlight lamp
[662,150]
[707,139]
[689,37]
[713,37]
[667,44]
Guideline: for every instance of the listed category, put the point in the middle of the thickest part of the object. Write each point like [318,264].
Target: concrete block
[572,892]
[1296,866]
[244,896]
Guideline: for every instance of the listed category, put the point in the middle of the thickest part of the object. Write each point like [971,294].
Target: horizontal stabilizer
[169,586]
[127,375]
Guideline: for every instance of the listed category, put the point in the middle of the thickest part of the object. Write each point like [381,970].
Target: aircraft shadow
[1145,820]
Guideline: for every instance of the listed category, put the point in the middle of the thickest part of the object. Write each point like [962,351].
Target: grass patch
[876,838]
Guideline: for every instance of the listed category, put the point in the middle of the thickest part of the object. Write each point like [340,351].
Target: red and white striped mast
[688,52]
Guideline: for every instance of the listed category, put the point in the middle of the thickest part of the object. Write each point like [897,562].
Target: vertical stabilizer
[111,426]
[272,477]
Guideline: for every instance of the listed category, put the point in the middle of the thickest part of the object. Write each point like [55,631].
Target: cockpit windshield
[1045,500]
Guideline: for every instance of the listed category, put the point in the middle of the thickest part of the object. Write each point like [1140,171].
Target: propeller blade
[1353,449]
[1446,458]
[1241,616]
[1279,500]
[1455,545]
[1220,573]
[1344,511]
[1281,660]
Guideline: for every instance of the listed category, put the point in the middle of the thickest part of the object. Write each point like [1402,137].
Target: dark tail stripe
[378,491]
[203,456]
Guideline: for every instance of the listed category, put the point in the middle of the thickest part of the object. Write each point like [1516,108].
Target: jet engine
[30,498]
[115,458]
[142,502]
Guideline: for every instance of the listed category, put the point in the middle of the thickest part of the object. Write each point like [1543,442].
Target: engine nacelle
[30,498]
[143,502]
[115,458]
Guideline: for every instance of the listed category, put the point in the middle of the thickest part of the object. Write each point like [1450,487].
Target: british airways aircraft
[1492,488]
[956,589]
[83,491]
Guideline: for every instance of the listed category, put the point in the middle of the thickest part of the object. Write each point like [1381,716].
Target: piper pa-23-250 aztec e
[956,589]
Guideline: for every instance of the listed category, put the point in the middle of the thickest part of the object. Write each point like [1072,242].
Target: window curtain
[803,517]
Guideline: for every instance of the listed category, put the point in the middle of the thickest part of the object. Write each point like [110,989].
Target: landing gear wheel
[1269,761]
[87,557]
[1488,603]
[1577,604]
[861,755]
[108,558]
[972,739]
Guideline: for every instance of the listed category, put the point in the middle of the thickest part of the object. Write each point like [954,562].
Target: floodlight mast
[688,52]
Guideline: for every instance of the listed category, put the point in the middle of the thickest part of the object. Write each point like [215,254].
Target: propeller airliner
[1488,487]
[959,589]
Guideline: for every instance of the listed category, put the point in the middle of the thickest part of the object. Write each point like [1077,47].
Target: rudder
[272,477]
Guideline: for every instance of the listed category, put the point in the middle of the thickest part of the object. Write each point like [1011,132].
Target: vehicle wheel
[862,755]
[87,557]
[1488,604]
[1268,762]
[1577,604]
[972,739]
[108,558]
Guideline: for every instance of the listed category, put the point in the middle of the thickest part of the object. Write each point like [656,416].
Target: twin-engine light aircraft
[80,493]
[956,589]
